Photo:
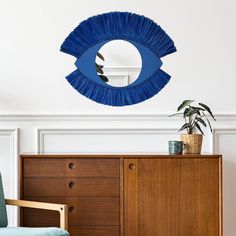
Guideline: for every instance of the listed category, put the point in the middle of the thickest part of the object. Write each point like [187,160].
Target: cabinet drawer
[37,167]
[39,218]
[94,230]
[82,211]
[71,187]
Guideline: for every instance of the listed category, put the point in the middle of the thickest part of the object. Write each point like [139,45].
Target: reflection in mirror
[118,63]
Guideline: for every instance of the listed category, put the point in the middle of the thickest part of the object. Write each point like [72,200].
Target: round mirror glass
[118,63]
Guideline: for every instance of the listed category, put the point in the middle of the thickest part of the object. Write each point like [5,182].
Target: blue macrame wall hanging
[148,37]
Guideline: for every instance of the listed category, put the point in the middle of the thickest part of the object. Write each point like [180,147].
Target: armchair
[24,231]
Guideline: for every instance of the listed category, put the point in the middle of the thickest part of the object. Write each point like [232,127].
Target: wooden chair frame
[62,209]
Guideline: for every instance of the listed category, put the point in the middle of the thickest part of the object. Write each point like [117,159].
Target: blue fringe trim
[118,96]
[118,25]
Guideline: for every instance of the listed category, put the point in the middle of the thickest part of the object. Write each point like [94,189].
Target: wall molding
[104,116]
[43,132]
[216,137]
[14,143]
[121,69]
[125,78]
[86,117]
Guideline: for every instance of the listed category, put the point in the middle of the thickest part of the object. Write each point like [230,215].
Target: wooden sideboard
[126,195]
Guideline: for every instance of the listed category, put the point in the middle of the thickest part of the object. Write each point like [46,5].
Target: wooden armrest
[63,209]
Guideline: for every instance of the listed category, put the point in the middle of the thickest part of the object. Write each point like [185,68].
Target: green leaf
[201,121]
[186,112]
[175,114]
[104,78]
[198,108]
[192,112]
[185,126]
[199,128]
[99,69]
[207,109]
[184,104]
[100,56]
[208,121]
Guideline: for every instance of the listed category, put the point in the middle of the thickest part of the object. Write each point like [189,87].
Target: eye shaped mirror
[118,63]
[106,46]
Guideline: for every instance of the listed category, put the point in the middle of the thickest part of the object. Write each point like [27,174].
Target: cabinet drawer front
[94,230]
[82,211]
[37,167]
[40,218]
[94,211]
[71,187]
[44,167]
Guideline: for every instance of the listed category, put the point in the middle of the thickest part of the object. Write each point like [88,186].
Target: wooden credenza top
[117,155]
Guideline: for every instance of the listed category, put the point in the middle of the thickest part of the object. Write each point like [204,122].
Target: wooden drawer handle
[71,209]
[72,165]
[132,166]
[71,184]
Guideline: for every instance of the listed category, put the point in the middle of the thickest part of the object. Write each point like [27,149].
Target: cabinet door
[172,197]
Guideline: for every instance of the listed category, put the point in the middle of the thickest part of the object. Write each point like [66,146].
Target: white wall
[31,64]
[32,83]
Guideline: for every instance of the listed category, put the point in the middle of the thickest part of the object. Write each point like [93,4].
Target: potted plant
[195,117]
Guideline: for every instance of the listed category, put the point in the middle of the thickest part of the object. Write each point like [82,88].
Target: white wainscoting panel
[9,169]
[105,140]
[111,133]
[225,143]
[118,80]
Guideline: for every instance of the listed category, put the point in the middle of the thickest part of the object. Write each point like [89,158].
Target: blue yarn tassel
[114,96]
[118,25]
